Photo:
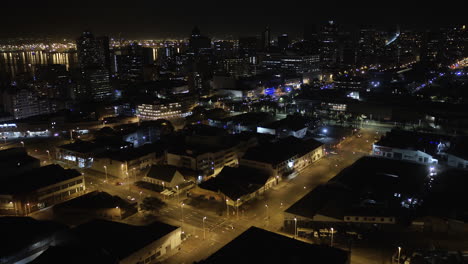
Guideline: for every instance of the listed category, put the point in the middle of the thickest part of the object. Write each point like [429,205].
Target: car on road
[131,198]
[119,183]
[359,135]
[333,153]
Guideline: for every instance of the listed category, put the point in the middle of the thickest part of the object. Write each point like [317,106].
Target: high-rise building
[199,43]
[283,42]
[266,38]
[248,46]
[223,49]
[131,61]
[93,52]
[329,44]
[22,103]
[94,62]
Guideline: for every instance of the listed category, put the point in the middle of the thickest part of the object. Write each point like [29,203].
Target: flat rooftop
[119,239]
[282,150]
[260,246]
[37,178]
[367,187]
[19,233]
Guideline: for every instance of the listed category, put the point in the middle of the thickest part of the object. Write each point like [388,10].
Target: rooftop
[94,200]
[37,178]
[282,150]
[26,231]
[367,187]
[459,147]
[425,142]
[162,172]
[119,239]
[236,182]
[290,122]
[260,246]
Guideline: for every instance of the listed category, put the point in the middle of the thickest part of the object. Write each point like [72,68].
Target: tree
[152,204]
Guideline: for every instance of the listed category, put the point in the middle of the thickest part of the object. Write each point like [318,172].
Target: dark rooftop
[291,122]
[132,153]
[236,182]
[425,142]
[119,239]
[459,147]
[75,254]
[25,231]
[162,172]
[260,246]
[282,150]
[366,187]
[36,179]
[94,200]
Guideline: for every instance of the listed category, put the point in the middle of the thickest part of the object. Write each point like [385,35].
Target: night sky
[155,19]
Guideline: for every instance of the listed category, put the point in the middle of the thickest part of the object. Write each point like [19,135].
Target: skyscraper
[94,61]
[92,52]
[283,42]
[131,60]
[266,38]
[329,44]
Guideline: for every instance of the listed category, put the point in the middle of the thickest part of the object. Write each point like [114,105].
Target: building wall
[119,169]
[210,164]
[178,179]
[156,250]
[26,203]
[457,162]
[403,154]
[82,160]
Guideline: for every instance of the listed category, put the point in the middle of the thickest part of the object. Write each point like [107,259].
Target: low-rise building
[128,162]
[372,191]
[411,146]
[290,126]
[81,153]
[457,153]
[235,185]
[126,244]
[95,205]
[261,246]
[283,157]
[39,188]
[163,110]
[15,161]
[166,176]
[26,238]
[207,160]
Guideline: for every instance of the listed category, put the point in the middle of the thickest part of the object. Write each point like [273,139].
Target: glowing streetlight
[331,242]
[237,208]
[295,227]
[48,154]
[105,169]
[266,206]
[22,143]
[177,186]
[227,206]
[399,254]
[204,235]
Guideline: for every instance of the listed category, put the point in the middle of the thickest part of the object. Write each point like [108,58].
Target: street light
[22,143]
[399,254]
[331,242]
[237,208]
[204,236]
[105,168]
[48,154]
[177,186]
[266,205]
[227,206]
[295,227]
